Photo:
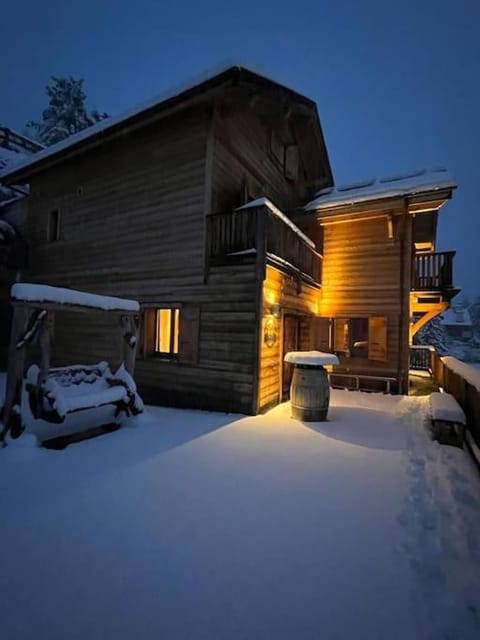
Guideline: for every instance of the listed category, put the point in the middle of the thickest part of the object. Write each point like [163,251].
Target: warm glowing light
[270,298]
[166,330]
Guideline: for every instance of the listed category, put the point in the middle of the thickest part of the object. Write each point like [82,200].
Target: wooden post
[16,361]
[129,325]
[406,262]
[44,344]
[261,241]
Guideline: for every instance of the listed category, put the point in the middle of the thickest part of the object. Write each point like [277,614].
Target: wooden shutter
[377,339]
[291,163]
[321,334]
[148,332]
[189,334]
[341,334]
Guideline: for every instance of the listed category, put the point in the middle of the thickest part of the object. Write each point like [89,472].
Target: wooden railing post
[261,242]
[433,271]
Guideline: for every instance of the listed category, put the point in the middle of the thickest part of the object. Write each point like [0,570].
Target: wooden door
[290,343]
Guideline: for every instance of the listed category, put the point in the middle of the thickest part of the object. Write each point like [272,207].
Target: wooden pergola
[32,305]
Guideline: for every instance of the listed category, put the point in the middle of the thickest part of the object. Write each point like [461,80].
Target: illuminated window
[166,331]
[360,338]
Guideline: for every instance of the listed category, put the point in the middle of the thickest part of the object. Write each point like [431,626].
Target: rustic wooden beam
[429,315]
[44,343]
[16,361]
[129,326]
[57,306]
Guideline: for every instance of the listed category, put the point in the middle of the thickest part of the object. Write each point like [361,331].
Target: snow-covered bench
[53,403]
[76,398]
[448,419]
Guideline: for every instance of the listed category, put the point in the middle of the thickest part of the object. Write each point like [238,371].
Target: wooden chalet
[195,205]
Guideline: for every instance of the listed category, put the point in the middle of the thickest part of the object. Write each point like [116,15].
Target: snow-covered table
[311,358]
[310,390]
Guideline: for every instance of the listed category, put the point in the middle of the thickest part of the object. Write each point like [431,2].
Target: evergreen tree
[66,112]
[433,334]
[474,310]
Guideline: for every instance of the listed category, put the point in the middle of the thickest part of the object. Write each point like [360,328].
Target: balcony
[265,232]
[433,271]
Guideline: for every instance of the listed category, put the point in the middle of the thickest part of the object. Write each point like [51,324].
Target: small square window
[53,231]
[166,331]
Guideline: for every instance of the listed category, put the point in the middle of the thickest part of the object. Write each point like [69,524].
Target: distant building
[15,148]
[457,323]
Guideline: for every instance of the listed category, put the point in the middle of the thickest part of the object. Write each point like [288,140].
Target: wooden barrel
[309,393]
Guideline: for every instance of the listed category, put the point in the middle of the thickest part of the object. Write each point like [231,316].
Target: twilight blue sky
[397,83]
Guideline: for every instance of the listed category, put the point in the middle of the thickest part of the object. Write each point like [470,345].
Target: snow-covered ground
[200,525]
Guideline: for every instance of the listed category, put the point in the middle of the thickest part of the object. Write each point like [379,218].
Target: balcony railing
[421,357]
[268,234]
[433,271]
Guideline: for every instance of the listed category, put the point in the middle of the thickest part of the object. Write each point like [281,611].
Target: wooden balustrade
[261,230]
[421,358]
[433,271]
[461,386]
[231,232]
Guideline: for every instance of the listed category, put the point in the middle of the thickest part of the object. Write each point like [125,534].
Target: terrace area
[190,524]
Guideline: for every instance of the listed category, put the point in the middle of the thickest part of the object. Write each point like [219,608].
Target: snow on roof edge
[394,186]
[29,292]
[265,202]
[466,371]
[112,121]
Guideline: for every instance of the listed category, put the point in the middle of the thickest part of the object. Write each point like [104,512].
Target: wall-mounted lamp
[275,310]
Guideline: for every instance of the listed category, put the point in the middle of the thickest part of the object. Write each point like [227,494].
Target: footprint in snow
[465,498]
[456,476]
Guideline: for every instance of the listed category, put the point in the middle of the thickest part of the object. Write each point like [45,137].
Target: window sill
[164,357]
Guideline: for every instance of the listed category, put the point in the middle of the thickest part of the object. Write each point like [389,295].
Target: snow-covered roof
[9,159]
[108,123]
[18,141]
[405,184]
[265,202]
[456,317]
[45,293]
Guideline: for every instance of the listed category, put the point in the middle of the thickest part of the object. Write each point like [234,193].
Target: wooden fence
[462,389]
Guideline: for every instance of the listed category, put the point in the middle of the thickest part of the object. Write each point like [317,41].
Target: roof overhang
[156,109]
[425,202]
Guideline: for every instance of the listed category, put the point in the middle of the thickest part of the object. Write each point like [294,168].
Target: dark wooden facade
[150,209]
[134,222]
